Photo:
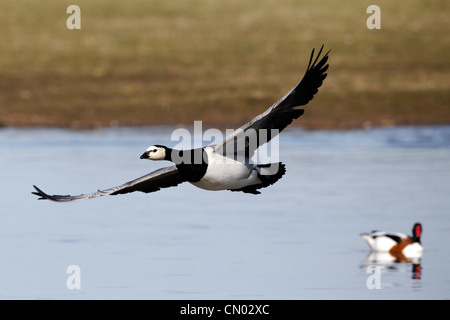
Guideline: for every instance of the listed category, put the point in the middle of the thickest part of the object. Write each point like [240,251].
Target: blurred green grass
[145,62]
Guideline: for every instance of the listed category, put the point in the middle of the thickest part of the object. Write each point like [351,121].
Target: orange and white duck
[396,244]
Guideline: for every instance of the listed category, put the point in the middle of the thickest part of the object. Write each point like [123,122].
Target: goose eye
[154,150]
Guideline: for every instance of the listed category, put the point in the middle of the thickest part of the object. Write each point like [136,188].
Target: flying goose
[226,165]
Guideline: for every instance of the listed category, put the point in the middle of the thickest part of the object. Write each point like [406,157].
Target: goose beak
[145,155]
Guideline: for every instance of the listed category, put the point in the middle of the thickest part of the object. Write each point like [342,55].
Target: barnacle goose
[218,167]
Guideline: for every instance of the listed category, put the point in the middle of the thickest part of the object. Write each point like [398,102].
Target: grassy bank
[144,62]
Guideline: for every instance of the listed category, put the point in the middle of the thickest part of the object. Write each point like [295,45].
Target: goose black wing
[250,136]
[154,181]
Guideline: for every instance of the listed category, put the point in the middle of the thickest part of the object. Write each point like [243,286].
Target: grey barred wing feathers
[154,181]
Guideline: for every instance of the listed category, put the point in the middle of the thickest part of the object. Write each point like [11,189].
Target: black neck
[168,155]
[191,164]
[185,157]
[177,156]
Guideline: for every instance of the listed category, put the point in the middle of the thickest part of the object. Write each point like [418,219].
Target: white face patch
[156,153]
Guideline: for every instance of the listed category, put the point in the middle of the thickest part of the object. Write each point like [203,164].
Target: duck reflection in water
[390,261]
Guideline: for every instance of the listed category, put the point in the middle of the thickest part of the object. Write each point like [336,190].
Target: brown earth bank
[140,63]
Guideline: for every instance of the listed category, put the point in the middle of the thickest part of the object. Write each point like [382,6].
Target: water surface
[299,239]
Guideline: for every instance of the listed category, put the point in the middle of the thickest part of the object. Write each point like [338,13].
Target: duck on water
[396,244]
[226,165]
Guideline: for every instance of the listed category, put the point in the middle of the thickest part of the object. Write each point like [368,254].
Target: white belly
[225,173]
[414,250]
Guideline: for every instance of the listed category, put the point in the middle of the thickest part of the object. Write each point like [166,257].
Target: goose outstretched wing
[154,181]
[264,127]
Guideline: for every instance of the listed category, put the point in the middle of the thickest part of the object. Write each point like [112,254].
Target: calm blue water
[299,239]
